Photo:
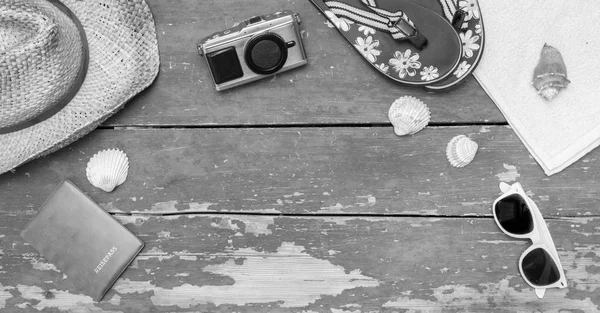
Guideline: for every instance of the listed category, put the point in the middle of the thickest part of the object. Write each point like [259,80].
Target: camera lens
[266,53]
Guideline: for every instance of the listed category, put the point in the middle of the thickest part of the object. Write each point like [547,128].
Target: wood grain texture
[240,217]
[337,86]
[217,263]
[307,171]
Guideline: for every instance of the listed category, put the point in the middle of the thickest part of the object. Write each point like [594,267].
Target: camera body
[253,49]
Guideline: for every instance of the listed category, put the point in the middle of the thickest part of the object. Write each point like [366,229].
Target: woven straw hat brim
[123,61]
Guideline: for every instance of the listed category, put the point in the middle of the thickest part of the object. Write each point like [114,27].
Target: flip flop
[407,42]
[466,17]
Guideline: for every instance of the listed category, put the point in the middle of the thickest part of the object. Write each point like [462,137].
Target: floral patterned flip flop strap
[398,24]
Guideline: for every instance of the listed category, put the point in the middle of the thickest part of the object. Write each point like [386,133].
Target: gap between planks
[340,215]
[295,125]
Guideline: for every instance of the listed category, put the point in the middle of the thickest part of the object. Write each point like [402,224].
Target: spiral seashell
[461,151]
[408,115]
[108,169]
[550,74]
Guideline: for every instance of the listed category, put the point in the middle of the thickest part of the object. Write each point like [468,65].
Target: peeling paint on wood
[225,223]
[171,207]
[346,311]
[510,175]
[256,225]
[503,294]
[164,234]
[158,209]
[423,212]
[339,208]
[497,242]
[406,263]
[115,300]
[370,201]
[132,219]
[267,211]
[61,300]
[296,194]
[4,295]
[199,207]
[585,273]
[161,208]
[272,275]
[188,257]
[154,253]
[336,209]
[484,129]
[42,266]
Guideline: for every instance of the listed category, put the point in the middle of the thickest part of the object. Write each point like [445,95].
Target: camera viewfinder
[225,65]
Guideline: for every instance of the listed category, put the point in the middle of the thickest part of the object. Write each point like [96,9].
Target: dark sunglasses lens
[514,215]
[539,268]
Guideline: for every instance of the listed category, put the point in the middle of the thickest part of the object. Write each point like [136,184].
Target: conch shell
[108,169]
[550,75]
[408,115]
[461,151]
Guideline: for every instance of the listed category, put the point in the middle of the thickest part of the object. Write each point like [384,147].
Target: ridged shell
[550,74]
[108,169]
[408,115]
[461,151]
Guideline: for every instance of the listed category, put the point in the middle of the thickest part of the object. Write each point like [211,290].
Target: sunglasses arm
[540,292]
[542,235]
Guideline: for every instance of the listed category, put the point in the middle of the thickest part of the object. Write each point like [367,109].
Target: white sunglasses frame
[539,236]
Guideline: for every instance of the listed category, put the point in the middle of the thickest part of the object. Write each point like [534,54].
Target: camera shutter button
[266,53]
[254,19]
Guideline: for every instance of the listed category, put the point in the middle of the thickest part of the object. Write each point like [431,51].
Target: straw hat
[65,67]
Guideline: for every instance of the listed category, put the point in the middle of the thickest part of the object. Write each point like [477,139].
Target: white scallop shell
[408,115]
[461,151]
[107,169]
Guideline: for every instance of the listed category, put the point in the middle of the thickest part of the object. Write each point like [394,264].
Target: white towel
[559,132]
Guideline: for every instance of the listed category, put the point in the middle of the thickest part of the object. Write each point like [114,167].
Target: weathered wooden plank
[337,86]
[307,171]
[234,263]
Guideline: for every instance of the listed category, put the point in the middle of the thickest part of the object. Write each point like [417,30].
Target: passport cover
[82,240]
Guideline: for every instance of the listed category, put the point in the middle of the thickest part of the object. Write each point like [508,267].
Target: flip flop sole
[472,36]
[400,60]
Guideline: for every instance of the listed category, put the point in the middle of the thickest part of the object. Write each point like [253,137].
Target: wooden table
[293,194]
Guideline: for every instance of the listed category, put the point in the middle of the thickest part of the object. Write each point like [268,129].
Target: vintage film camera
[254,49]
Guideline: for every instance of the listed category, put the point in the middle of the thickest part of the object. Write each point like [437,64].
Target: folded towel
[559,132]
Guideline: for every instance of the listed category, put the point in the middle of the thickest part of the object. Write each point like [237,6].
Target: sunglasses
[517,216]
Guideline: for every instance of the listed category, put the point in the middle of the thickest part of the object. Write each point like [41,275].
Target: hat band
[70,94]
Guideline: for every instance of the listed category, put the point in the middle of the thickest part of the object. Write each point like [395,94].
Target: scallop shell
[550,75]
[408,115]
[461,151]
[108,169]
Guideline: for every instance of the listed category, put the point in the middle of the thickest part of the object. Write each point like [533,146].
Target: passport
[82,240]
